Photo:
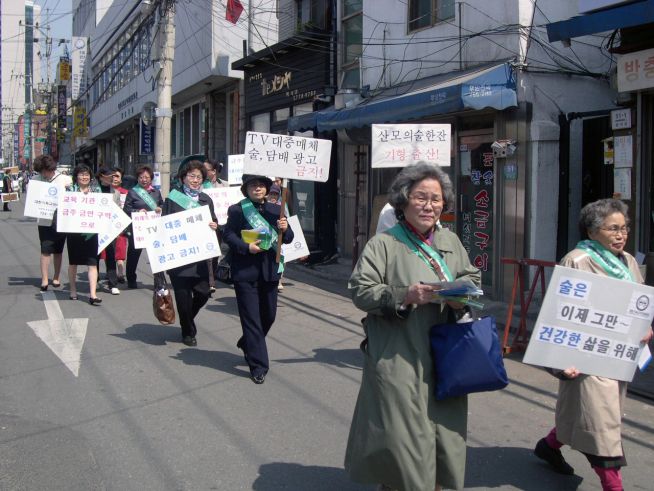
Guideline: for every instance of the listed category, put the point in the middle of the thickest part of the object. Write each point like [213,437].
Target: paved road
[148,413]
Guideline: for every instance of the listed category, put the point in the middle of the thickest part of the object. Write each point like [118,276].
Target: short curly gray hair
[412,175]
[593,214]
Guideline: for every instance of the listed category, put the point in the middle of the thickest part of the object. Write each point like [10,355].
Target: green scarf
[608,261]
[145,196]
[402,233]
[183,200]
[255,220]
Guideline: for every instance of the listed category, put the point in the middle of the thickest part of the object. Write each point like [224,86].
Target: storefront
[285,81]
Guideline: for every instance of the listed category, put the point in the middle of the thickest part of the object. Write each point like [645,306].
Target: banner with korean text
[222,199]
[298,248]
[144,228]
[592,322]
[183,238]
[289,157]
[42,199]
[399,145]
[235,169]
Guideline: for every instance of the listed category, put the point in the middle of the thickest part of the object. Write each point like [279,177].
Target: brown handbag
[162,300]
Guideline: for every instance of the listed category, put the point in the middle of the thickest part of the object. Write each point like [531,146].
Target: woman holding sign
[589,408]
[401,436]
[141,198]
[190,282]
[83,248]
[251,233]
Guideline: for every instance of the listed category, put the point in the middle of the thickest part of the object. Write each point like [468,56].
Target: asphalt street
[145,412]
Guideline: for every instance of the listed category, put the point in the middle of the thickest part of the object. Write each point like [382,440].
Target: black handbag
[467,358]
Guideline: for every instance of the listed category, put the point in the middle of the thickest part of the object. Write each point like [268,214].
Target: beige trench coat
[401,435]
[589,408]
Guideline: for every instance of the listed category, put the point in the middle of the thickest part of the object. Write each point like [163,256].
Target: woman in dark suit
[254,270]
[190,282]
[141,198]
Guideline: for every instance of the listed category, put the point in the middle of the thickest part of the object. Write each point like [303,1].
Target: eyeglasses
[615,230]
[194,177]
[421,199]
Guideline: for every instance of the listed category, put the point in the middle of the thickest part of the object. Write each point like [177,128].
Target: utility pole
[164,111]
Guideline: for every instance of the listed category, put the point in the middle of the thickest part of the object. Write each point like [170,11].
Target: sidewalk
[337,273]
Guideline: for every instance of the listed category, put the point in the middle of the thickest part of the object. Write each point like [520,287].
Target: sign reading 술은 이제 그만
[592,322]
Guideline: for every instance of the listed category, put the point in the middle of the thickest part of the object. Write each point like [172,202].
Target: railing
[521,266]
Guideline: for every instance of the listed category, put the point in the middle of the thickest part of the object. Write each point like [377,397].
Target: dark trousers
[257,308]
[110,264]
[133,256]
[190,297]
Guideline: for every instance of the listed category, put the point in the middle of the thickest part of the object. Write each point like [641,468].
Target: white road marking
[65,337]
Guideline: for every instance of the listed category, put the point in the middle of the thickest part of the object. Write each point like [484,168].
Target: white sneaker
[280,287]
[115,291]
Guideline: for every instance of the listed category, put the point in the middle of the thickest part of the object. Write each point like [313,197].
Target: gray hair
[410,176]
[593,214]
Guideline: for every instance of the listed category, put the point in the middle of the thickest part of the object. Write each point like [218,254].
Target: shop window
[352,32]
[281,114]
[186,128]
[426,13]
[195,129]
[260,123]
[311,13]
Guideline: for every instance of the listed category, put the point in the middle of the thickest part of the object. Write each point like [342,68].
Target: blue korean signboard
[146,146]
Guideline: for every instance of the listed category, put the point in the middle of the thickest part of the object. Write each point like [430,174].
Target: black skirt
[52,242]
[82,252]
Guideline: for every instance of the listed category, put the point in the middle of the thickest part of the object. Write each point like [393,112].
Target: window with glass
[352,32]
[311,13]
[426,13]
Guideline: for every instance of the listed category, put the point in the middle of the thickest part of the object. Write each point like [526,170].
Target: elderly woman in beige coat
[589,408]
[401,436]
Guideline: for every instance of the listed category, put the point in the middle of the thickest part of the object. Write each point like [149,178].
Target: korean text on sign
[399,145]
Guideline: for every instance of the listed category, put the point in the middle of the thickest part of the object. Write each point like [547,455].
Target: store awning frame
[489,87]
[620,17]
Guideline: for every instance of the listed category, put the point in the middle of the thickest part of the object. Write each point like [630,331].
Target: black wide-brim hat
[247,178]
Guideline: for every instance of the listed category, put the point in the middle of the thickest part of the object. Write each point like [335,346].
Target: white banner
[112,227]
[78,60]
[83,213]
[235,169]
[592,322]
[42,199]
[399,145]
[222,199]
[298,248]
[144,227]
[636,70]
[291,157]
[183,238]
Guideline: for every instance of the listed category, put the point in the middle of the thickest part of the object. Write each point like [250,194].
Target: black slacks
[133,256]
[110,264]
[190,296]
[257,308]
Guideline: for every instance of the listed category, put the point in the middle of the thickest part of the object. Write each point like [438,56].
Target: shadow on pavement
[218,360]
[342,358]
[492,467]
[282,475]
[222,304]
[154,334]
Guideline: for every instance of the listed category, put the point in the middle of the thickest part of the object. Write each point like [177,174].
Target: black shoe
[189,341]
[121,279]
[95,301]
[132,284]
[44,288]
[258,379]
[553,457]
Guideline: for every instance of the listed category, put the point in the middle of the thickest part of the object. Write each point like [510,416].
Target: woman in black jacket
[141,198]
[255,270]
[190,282]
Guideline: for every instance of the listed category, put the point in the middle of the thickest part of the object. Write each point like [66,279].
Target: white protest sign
[399,145]
[83,213]
[42,199]
[290,157]
[222,199]
[110,228]
[144,227]
[592,322]
[183,238]
[235,169]
[298,248]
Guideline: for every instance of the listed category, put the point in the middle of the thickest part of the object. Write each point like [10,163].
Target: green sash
[608,261]
[406,236]
[255,220]
[207,184]
[145,196]
[183,200]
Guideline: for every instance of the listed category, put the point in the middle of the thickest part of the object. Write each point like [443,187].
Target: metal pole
[164,110]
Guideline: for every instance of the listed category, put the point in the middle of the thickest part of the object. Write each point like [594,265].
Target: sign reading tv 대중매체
[592,322]
[182,238]
[399,145]
[288,157]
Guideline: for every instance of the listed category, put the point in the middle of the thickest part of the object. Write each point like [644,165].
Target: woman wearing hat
[255,270]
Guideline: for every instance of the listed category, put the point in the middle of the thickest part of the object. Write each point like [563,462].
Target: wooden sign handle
[281,215]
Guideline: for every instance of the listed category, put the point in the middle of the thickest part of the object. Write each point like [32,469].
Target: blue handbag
[467,358]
